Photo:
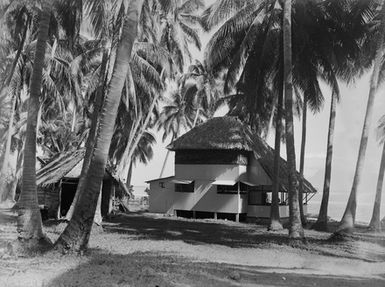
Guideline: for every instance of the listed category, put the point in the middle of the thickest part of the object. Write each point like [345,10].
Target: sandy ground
[152,250]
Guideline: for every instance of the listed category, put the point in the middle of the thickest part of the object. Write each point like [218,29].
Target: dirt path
[150,250]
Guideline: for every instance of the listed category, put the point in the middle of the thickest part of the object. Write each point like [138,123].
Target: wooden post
[59,207]
[237,217]
[215,215]
[194,214]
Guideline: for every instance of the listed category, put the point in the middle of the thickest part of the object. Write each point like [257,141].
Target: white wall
[205,198]
[209,171]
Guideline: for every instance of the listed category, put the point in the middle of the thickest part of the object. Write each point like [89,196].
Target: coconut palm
[178,28]
[348,219]
[295,228]
[76,235]
[375,222]
[29,218]
[177,115]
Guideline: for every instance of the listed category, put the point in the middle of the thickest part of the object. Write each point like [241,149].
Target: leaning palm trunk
[142,130]
[348,219]
[76,235]
[275,223]
[91,137]
[302,161]
[166,158]
[295,226]
[375,222]
[322,221]
[29,217]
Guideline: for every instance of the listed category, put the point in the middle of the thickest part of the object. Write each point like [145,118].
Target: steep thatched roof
[225,133]
[265,156]
[229,133]
[70,165]
[59,167]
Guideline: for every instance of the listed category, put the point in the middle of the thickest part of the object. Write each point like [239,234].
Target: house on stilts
[222,171]
[57,182]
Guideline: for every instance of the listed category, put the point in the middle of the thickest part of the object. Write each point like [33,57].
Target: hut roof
[224,133]
[229,133]
[70,164]
[59,167]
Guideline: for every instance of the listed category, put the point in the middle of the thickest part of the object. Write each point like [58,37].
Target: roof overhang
[225,182]
[182,181]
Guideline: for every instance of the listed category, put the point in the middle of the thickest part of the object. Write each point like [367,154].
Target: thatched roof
[265,156]
[69,165]
[224,133]
[229,133]
[59,167]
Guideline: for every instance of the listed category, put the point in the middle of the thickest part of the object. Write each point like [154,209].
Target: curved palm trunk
[129,176]
[375,222]
[29,217]
[91,138]
[295,226]
[141,132]
[302,160]
[275,223]
[348,219]
[76,235]
[322,220]
[165,159]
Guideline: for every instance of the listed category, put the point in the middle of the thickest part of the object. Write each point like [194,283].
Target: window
[227,188]
[161,184]
[181,187]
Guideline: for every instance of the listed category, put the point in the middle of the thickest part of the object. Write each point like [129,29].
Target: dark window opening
[204,214]
[184,213]
[179,187]
[227,188]
[228,216]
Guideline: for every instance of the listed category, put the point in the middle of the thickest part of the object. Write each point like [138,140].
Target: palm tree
[29,218]
[76,235]
[178,28]
[348,219]
[375,222]
[295,227]
[177,115]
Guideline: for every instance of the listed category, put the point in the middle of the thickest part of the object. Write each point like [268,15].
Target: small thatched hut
[222,170]
[57,182]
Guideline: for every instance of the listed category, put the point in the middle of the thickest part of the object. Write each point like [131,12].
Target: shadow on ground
[145,226]
[151,269]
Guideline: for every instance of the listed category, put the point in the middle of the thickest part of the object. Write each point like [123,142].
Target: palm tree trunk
[76,235]
[196,118]
[275,223]
[375,222]
[141,132]
[8,79]
[348,219]
[166,158]
[302,160]
[3,182]
[129,175]
[73,120]
[322,221]
[91,137]
[295,226]
[29,218]
[124,160]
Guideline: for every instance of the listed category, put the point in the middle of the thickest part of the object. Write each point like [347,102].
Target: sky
[348,128]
